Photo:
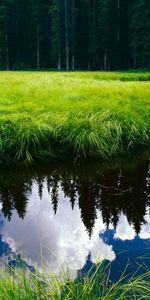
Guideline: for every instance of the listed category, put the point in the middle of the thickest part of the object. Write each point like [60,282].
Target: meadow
[52,115]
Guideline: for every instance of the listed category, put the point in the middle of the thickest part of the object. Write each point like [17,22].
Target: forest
[74,34]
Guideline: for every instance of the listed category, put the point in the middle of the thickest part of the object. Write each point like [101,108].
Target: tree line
[74,34]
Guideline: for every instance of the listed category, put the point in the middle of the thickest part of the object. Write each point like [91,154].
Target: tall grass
[23,285]
[81,114]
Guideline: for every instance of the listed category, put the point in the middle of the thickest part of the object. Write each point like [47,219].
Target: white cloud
[124,231]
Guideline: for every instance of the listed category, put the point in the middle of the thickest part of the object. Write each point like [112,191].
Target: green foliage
[52,115]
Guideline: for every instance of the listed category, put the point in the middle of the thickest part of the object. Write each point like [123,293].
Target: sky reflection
[68,214]
[62,237]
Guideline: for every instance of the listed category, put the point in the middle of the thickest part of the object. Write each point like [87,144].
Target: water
[76,214]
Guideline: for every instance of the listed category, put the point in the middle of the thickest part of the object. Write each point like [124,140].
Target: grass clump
[81,114]
[25,285]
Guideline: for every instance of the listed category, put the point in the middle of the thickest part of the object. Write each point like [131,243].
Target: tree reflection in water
[112,191]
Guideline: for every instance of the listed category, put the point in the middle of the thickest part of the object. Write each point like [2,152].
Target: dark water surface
[77,214]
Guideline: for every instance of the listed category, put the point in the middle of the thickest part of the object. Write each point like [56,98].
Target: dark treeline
[74,34]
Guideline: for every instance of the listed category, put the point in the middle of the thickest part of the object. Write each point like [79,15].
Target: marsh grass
[49,115]
[40,285]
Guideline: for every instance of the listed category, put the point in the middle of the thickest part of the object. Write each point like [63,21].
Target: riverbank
[52,115]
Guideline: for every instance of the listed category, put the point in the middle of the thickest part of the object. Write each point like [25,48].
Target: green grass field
[46,115]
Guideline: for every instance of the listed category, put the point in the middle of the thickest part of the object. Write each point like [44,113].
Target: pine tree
[23,29]
[93,43]
[82,34]
[5,6]
[35,23]
[139,33]
[103,11]
[56,33]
